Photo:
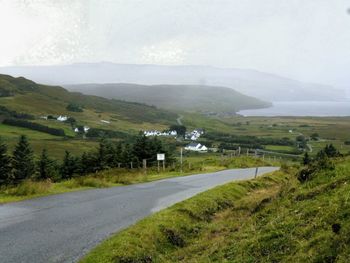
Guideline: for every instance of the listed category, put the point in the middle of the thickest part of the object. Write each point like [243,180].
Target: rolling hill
[250,82]
[176,97]
[27,101]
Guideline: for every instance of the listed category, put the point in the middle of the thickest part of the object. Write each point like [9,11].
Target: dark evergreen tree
[306,159]
[142,148]
[69,166]
[46,166]
[23,160]
[180,129]
[127,155]
[5,164]
[106,152]
[118,154]
[331,151]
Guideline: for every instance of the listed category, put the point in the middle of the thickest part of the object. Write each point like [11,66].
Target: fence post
[144,161]
[256,172]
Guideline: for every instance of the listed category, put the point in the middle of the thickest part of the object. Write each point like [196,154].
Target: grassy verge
[271,219]
[117,177]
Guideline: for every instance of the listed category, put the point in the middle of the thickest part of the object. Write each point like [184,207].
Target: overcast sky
[304,39]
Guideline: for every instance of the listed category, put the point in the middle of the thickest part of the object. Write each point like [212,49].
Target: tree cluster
[231,140]
[21,165]
[14,114]
[74,107]
[34,126]
[322,161]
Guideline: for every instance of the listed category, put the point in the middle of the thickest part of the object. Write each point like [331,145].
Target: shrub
[74,107]
[29,187]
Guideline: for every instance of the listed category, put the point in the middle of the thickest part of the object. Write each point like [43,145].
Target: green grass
[270,219]
[117,177]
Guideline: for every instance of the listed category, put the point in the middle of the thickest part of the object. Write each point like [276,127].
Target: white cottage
[196,147]
[62,118]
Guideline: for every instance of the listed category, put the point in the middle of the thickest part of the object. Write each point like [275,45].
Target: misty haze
[174,131]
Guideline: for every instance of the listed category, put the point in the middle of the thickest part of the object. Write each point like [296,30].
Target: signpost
[161,157]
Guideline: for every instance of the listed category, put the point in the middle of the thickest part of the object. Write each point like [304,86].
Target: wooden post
[131,166]
[247,152]
[158,167]
[119,165]
[181,153]
[256,172]
[144,162]
[163,165]
[239,150]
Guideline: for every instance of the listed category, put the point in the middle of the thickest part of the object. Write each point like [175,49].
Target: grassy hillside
[28,96]
[23,96]
[274,218]
[176,97]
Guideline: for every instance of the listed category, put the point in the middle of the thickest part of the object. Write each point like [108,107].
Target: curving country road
[62,228]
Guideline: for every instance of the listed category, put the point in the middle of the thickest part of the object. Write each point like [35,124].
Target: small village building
[196,147]
[62,118]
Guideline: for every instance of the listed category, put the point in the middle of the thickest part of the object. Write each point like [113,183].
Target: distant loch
[303,108]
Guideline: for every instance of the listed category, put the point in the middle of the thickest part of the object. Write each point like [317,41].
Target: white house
[158,133]
[86,129]
[196,147]
[194,135]
[76,130]
[62,118]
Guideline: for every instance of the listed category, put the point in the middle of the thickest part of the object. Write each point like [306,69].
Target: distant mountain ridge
[250,82]
[176,97]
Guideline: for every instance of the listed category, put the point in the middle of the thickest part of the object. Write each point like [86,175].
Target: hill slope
[253,83]
[40,99]
[24,99]
[175,97]
[271,219]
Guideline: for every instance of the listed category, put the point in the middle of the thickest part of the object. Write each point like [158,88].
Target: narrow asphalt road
[62,228]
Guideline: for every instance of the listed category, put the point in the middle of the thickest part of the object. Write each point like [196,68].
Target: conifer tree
[46,166]
[23,160]
[127,155]
[117,155]
[306,159]
[69,166]
[5,164]
[105,154]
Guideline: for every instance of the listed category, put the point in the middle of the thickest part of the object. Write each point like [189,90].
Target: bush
[74,107]
[29,187]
